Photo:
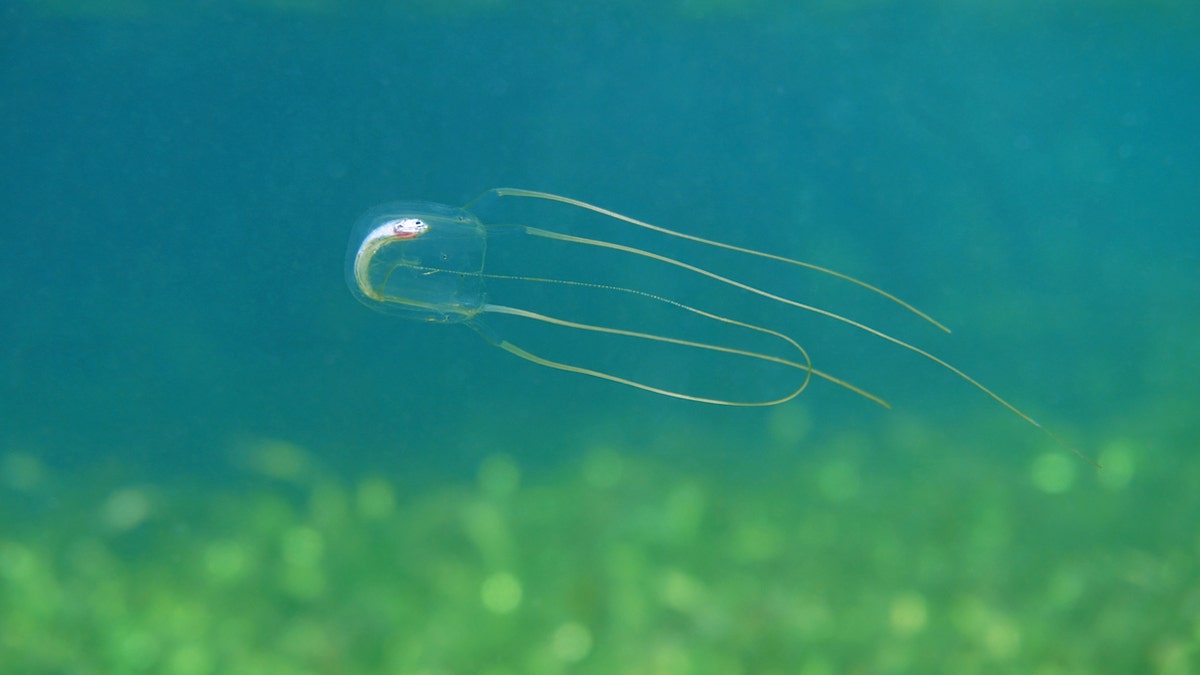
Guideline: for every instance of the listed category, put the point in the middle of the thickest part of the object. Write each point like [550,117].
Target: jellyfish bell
[419,260]
[429,262]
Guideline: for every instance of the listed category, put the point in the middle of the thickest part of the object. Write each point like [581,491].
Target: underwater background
[214,460]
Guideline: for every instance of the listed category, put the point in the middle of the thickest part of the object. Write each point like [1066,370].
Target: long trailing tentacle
[806,366]
[532,194]
[581,370]
[517,192]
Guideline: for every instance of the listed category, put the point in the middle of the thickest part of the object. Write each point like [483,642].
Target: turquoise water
[213,459]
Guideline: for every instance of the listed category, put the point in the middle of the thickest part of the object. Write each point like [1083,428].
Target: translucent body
[418,260]
[428,262]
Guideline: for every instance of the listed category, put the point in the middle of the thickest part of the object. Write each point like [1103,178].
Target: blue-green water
[215,460]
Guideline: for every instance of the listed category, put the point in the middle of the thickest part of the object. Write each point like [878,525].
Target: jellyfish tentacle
[806,366]
[532,194]
[787,301]
[549,234]
[709,315]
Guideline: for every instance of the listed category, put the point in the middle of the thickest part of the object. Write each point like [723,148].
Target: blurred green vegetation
[809,559]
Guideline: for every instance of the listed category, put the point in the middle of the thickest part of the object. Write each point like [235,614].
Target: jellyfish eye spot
[406,228]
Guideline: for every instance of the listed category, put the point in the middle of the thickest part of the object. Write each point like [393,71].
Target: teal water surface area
[213,459]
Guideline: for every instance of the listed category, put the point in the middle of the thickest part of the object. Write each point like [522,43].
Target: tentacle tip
[1084,457]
